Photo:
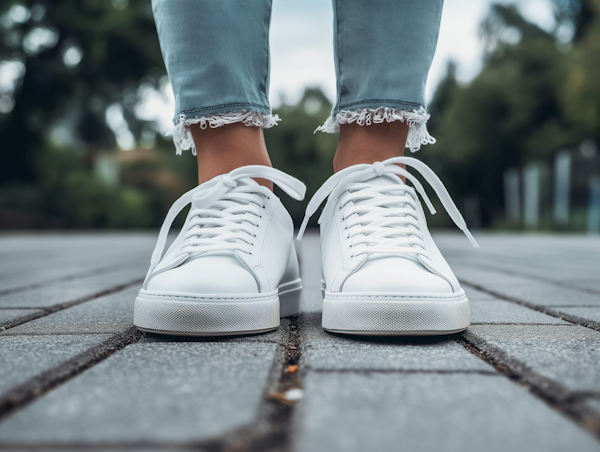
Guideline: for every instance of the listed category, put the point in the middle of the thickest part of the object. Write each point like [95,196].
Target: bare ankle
[369,144]
[223,149]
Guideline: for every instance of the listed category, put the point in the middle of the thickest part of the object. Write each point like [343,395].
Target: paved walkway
[75,374]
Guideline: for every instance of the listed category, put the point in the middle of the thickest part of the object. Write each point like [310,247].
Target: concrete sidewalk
[76,375]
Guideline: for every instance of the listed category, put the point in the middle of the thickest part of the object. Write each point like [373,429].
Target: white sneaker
[233,267]
[382,272]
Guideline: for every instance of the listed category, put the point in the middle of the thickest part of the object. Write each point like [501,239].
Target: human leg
[217,57]
[383,52]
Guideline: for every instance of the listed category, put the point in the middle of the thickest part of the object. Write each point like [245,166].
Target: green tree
[295,149]
[511,113]
[78,57]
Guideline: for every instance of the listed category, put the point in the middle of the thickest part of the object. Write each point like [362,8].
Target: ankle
[369,144]
[223,149]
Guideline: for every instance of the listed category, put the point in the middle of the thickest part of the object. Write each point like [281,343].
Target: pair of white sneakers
[233,268]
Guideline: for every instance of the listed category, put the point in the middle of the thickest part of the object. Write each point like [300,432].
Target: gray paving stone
[110,314]
[10,314]
[309,253]
[551,258]
[586,313]
[587,284]
[27,275]
[507,312]
[151,392]
[24,260]
[66,291]
[546,268]
[24,357]
[475,295]
[323,350]
[427,412]
[528,290]
[569,355]
[594,405]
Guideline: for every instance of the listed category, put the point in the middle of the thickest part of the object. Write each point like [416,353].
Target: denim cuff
[182,137]
[415,118]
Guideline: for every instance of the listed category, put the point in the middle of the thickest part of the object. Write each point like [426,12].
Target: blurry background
[514,94]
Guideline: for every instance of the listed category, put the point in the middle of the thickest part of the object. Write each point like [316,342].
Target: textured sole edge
[396,333]
[401,317]
[202,318]
[219,334]
[165,315]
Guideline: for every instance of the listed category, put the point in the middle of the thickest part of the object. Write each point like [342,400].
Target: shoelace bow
[224,215]
[391,230]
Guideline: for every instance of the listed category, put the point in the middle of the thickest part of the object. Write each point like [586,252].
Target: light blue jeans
[217,56]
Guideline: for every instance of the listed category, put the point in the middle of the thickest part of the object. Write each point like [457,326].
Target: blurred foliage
[78,57]
[538,91]
[297,150]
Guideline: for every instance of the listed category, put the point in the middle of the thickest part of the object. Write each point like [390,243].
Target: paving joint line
[405,371]
[105,447]
[527,276]
[271,430]
[591,324]
[45,311]
[73,276]
[555,395]
[37,386]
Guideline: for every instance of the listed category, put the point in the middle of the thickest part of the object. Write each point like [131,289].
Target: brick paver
[76,374]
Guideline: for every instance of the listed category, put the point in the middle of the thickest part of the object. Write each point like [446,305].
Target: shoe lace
[382,218]
[225,212]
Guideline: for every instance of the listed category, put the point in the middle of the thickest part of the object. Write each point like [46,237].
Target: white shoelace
[383,218]
[224,216]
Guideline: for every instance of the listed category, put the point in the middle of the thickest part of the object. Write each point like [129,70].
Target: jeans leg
[217,56]
[383,52]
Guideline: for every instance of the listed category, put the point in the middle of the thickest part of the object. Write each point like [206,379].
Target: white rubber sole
[215,315]
[393,315]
